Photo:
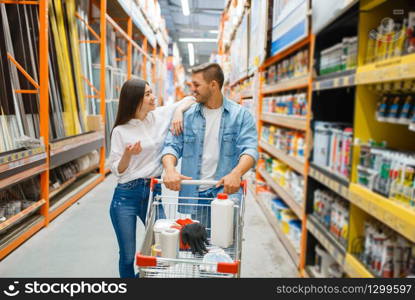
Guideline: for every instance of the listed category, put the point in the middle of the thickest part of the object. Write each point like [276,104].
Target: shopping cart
[188,265]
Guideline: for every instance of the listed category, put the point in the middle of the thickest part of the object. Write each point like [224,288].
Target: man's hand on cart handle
[172,180]
[231,183]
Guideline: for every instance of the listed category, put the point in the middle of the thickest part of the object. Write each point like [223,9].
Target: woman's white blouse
[151,132]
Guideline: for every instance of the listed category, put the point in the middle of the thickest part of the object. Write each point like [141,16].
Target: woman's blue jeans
[130,201]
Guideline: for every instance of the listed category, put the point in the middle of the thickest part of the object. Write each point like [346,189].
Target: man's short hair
[211,71]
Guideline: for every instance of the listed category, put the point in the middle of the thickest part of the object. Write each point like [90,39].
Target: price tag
[391,73]
[327,84]
[352,79]
[407,70]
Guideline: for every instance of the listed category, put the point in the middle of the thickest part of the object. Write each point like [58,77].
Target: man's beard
[203,98]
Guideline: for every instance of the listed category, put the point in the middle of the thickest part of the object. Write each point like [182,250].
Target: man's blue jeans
[203,210]
[130,201]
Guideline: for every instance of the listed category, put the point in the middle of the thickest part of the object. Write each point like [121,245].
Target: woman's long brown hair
[131,98]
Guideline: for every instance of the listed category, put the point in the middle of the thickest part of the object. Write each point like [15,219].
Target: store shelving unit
[21,164]
[364,204]
[327,89]
[301,83]
[349,96]
[358,87]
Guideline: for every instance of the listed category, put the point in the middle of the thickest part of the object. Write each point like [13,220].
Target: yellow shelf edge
[354,268]
[396,216]
[392,69]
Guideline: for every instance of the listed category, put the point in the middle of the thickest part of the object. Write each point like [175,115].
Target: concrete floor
[81,243]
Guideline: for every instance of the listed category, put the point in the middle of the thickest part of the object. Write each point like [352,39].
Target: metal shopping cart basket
[188,265]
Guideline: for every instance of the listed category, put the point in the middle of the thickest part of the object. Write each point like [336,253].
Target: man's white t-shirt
[211,145]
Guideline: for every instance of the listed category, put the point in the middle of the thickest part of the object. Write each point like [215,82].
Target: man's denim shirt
[237,135]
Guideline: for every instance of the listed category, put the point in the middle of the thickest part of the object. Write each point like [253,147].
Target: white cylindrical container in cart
[169,242]
[222,221]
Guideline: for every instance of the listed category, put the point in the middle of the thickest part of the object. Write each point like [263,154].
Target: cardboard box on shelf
[95,122]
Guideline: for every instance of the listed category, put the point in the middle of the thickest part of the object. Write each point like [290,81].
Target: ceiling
[204,16]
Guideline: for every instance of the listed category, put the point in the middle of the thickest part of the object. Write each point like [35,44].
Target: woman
[136,143]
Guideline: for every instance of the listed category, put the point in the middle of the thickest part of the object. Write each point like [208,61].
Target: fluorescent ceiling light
[191,49]
[185,7]
[214,31]
[197,40]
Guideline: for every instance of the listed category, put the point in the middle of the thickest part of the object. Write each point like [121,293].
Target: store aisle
[81,243]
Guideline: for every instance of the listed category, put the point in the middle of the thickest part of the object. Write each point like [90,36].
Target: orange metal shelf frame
[41,88]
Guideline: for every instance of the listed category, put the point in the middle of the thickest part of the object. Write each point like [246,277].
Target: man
[219,142]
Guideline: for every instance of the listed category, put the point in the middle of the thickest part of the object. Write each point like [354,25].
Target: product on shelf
[292,142]
[18,197]
[325,265]
[396,108]
[388,172]
[286,218]
[386,253]
[284,176]
[294,105]
[291,67]
[62,174]
[19,112]
[391,38]
[333,146]
[333,212]
[340,57]
[288,221]
[245,86]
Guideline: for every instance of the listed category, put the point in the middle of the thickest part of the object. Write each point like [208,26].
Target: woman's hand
[177,123]
[133,149]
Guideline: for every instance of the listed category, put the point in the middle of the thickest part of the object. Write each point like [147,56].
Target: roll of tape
[156,251]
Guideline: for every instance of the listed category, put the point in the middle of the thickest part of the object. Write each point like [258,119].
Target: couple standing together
[215,137]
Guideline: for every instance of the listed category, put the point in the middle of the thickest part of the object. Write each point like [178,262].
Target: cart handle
[155,181]
[151,261]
